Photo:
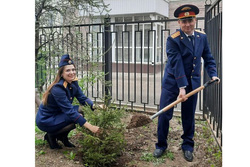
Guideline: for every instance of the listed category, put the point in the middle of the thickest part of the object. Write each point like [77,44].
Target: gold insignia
[70,62]
[200,31]
[198,36]
[176,34]
[181,37]
[76,79]
[186,13]
[185,8]
[65,83]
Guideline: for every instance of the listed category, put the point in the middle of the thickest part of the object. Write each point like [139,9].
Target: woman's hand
[95,129]
[101,106]
[92,128]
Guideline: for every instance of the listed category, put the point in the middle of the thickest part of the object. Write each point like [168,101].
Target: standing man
[185,48]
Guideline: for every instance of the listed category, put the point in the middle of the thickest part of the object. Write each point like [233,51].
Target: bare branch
[39,8]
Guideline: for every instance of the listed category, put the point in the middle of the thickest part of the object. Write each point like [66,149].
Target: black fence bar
[108,59]
[212,96]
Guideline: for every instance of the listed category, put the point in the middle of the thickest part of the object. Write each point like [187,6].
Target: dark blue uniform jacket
[184,60]
[59,106]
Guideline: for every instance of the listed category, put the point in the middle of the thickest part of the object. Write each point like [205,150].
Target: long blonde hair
[57,79]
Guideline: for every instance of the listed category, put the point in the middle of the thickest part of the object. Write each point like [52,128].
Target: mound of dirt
[140,142]
[138,120]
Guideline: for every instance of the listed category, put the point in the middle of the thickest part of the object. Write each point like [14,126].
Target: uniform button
[70,88]
[70,98]
[194,65]
[192,70]
[194,57]
[191,76]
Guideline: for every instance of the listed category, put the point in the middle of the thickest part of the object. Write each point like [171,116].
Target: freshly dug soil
[138,120]
[140,142]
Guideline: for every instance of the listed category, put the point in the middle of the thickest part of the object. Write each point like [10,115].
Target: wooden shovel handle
[187,96]
[180,100]
[177,102]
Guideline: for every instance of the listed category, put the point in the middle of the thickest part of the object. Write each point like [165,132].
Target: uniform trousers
[187,116]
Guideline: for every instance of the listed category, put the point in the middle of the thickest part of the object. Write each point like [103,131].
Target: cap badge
[186,13]
[70,62]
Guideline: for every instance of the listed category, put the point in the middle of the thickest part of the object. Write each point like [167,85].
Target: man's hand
[182,94]
[214,78]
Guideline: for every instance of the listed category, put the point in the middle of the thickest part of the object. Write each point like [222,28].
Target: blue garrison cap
[65,60]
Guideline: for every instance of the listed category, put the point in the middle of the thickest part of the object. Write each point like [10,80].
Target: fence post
[107,60]
[206,15]
[205,77]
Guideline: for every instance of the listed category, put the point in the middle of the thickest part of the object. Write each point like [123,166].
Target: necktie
[191,37]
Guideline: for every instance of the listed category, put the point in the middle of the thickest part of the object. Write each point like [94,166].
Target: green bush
[102,149]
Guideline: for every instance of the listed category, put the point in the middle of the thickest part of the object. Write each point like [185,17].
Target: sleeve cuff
[80,120]
[182,82]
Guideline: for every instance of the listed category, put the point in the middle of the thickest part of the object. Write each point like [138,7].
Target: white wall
[123,7]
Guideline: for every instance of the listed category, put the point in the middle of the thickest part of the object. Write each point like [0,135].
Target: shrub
[102,150]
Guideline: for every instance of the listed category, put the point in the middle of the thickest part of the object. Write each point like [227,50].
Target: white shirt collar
[188,35]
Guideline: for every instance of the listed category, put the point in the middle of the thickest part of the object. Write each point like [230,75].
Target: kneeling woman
[56,115]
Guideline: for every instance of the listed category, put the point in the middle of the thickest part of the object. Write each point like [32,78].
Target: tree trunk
[37,99]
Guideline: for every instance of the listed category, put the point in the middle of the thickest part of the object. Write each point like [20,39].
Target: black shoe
[188,155]
[52,141]
[158,153]
[64,138]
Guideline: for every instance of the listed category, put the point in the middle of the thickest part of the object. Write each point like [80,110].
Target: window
[137,42]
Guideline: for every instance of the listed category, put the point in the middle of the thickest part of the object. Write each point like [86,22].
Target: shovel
[140,120]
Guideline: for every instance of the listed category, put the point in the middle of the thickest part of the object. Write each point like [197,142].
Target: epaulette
[200,31]
[65,84]
[176,34]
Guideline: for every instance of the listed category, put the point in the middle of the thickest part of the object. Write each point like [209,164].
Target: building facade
[138,40]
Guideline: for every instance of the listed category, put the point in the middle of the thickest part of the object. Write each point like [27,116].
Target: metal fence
[212,99]
[132,55]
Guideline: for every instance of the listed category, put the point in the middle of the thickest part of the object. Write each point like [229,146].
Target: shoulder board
[200,31]
[176,34]
[65,84]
